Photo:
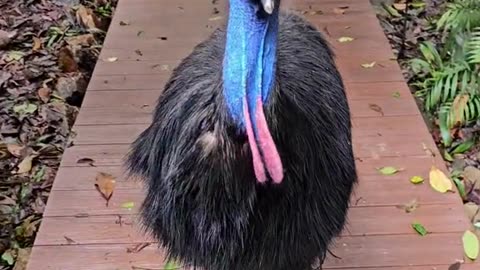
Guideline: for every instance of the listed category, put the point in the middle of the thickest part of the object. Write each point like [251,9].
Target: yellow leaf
[470,245]
[216,18]
[105,183]
[345,39]
[112,59]
[26,164]
[416,180]
[439,181]
[128,205]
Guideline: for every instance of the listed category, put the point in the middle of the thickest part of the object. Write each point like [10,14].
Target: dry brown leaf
[458,107]
[44,94]
[400,6]
[66,60]
[16,150]
[69,240]
[37,44]
[376,108]
[410,206]
[340,10]
[26,165]
[86,17]
[137,248]
[105,184]
[81,40]
[88,161]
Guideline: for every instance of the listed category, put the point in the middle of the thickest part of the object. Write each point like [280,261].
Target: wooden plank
[126,229]
[368,193]
[356,252]
[121,108]
[82,176]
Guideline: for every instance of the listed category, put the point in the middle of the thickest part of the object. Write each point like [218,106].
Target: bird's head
[249,77]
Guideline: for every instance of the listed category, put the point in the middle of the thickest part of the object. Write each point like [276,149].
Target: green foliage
[448,76]
[460,15]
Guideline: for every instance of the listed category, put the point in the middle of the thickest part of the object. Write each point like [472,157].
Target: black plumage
[202,200]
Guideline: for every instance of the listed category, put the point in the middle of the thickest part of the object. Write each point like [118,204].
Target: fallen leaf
[369,65]
[25,108]
[15,149]
[139,33]
[345,39]
[66,60]
[458,107]
[70,241]
[81,40]
[37,44]
[410,206]
[376,108]
[470,245]
[128,205]
[88,161]
[14,56]
[439,181]
[389,170]
[137,248]
[340,10]
[416,180]
[216,18]
[455,266]
[105,184]
[400,6]
[420,229]
[139,52]
[171,265]
[26,164]
[7,257]
[5,39]
[112,59]
[396,94]
[86,17]
[124,23]
[44,94]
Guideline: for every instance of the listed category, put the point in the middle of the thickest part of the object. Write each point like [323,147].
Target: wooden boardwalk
[78,230]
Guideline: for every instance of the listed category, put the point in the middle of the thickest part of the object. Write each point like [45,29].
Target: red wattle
[257,160]
[267,145]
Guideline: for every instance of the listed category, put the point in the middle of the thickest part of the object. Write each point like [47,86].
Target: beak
[268,6]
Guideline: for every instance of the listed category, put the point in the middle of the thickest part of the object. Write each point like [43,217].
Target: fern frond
[461,15]
[473,47]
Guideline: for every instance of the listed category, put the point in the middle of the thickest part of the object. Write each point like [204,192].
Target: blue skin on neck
[250,55]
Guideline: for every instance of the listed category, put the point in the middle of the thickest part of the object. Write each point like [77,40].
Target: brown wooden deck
[120,99]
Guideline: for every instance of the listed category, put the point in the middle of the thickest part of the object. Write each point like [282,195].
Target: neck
[248,79]
[250,56]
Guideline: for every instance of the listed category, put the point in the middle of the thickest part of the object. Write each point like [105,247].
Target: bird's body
[203,202]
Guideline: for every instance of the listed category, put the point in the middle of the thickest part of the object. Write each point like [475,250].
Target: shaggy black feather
[203,203]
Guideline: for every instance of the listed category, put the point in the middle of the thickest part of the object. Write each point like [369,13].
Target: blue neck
[250,56]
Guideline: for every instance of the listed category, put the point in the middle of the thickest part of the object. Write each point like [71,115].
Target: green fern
[473,47]
[461,15]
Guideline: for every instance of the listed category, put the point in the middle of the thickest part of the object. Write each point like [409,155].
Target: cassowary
[248,162]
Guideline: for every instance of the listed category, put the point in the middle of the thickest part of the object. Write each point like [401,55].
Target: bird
[248,161]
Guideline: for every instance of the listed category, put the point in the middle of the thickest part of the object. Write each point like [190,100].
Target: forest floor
[406,26]
[48,50]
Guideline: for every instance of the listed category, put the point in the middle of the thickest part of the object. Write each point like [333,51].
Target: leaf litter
[42,43]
